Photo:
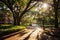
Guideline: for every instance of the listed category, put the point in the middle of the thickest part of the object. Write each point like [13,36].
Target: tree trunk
[56,13]
[16,19]
[56,19]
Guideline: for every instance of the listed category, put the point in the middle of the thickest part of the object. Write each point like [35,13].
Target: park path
[31,34]
[27,34]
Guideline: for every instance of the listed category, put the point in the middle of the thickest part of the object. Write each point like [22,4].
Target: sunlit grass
[5,24]
[18,27]
[7,29]
[13,28]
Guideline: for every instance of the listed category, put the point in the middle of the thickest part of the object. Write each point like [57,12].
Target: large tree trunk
[56,18]
[14,22]
[16,19]
[56,13]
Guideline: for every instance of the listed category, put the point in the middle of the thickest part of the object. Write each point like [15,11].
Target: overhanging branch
[25,10]
[32,6]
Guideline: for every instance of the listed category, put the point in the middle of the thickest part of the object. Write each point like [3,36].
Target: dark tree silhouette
[56,4]
[16,14]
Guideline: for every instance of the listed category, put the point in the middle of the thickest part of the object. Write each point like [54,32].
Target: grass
[12,28]
[7,29]
[49,25]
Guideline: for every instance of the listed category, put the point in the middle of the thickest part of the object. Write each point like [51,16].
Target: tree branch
[8,3]
[28,5]
[32,6]
[25,10]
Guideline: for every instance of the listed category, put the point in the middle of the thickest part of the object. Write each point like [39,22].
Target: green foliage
[37,11]
[8,29]
[9,26]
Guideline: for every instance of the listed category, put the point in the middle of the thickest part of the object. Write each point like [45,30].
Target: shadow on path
[53,34]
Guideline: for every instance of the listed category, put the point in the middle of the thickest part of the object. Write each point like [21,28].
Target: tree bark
[14,21]
[56,13]
[18,21]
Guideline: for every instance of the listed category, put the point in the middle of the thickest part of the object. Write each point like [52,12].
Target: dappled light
[29,20]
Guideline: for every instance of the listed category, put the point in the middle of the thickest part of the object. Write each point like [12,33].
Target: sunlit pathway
[25,35]
[39,34]
[18,35]
[34,35]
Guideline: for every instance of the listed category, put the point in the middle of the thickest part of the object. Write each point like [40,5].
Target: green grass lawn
[47,26]
[7,29]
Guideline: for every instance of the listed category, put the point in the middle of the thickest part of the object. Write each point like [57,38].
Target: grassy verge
[50,26]
[47,26]
[8,29]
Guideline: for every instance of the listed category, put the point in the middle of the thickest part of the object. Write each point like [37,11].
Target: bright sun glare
[45,5]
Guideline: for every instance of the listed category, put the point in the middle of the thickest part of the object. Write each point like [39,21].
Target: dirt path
[31,34]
